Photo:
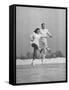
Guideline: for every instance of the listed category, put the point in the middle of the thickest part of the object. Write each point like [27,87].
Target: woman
[35,42]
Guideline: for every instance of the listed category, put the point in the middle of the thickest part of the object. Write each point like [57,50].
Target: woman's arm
[32,37]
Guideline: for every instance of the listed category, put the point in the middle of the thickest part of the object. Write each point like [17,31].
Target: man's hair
[42,24]
[36,30]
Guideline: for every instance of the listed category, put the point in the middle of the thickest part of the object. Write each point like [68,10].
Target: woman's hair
[36,30]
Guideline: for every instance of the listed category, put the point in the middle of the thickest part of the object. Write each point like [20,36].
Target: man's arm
[49,34]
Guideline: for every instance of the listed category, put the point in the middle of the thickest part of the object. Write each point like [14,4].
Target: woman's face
[38,31]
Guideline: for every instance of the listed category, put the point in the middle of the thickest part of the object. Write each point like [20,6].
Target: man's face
[43,26]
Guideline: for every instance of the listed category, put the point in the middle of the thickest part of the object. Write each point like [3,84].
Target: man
[43,41]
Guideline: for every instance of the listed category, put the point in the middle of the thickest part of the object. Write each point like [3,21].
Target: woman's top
[35,38]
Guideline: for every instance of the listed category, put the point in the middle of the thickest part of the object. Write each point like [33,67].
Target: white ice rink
[38,61]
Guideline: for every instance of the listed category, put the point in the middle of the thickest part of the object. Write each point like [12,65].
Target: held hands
[50,36]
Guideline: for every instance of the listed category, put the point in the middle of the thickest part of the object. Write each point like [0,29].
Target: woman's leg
[34,55]
[35,52]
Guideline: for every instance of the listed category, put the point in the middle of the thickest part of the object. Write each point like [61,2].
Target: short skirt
[34,46]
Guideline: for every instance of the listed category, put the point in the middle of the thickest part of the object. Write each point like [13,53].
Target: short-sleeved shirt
[43,40]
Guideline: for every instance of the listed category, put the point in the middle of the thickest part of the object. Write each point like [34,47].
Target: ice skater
[35,37]
[43,40]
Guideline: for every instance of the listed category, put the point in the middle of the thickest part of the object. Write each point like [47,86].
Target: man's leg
[48,49]
[42,54]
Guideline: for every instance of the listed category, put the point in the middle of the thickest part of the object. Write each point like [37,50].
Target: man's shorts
[42,44]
